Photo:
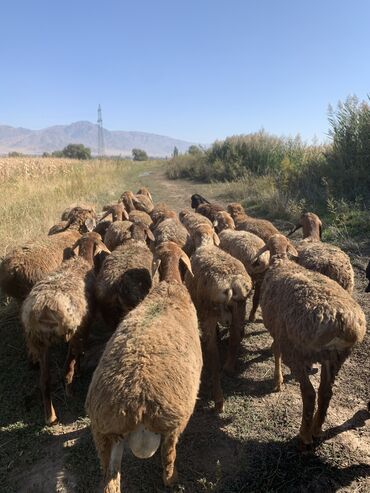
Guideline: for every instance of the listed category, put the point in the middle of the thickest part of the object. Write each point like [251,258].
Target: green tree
[15,154]
[139,155]
[195,150]
[175,152]
[76,151]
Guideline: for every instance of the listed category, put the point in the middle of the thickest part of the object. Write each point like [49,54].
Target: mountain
[116,142]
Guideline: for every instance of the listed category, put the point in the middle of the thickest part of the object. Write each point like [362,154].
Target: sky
[197,70]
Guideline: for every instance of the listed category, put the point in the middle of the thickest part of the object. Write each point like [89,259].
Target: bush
[76,151]
[139,155]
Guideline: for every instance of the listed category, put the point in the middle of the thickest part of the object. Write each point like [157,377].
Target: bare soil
[251,447]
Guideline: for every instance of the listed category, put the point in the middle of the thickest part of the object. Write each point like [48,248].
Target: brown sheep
[311,318]
[219,290]
[140,216]
[61,307]
[138,202]
[202,206]
[124,280]
[118,213]
[260,227]
[146,384]
[328,259]
[24,266]
[243,246]
[121,231]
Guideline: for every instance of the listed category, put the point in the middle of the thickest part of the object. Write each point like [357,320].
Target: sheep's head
[141,232]
[84,220]
[311,224]
[117,211]
[279,246]
[169,259]
[235,209]
[145,191]
[91,247]
[204,235]
[162,215]
[197,199]
[128,199]
[223,221]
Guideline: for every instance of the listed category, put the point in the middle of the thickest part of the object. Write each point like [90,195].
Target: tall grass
[280,176]
[35,191]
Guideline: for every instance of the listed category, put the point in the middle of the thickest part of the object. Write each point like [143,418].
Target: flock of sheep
[163,282]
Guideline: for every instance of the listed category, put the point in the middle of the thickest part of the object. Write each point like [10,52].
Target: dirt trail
[251,446]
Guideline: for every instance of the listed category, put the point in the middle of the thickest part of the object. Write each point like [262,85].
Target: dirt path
[250,447]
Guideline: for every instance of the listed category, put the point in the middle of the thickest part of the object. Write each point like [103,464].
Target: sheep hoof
[278,387]
[252,318]
[305,441]
[51,421]
[171,480]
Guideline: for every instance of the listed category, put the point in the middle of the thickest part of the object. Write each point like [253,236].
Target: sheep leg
[209,337]
[256,300]
[308,398]
[236,329]
[278,374]
[50,416]
[168,454]
[75,349]
[110,455]
[329,371]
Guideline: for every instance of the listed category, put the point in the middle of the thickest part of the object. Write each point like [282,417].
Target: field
[251,447]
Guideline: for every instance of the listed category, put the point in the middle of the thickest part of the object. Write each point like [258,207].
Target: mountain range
[116,142]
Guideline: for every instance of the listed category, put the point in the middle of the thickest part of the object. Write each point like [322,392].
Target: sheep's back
[328,260]
[309,310]
[244,246]
[151,366]
[260,227]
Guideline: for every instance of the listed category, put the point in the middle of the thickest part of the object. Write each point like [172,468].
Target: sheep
[202,206]
[138,202]
[60,307]
[146,383]
[192,219]
[24,266]
[57,228]
[243,246]
[219,290]
[328,259]
[87,207]
[159,208]
[172,230]
[140,216]
[124,280]
[118,213]
[145,191]
[260,227]
[367,290]
[120,231]
[311,318]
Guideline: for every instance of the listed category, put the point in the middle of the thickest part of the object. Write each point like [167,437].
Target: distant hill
[55,138]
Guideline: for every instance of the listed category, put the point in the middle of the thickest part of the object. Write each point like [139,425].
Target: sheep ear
[90,224]
[75,249]
[186,261]
[125,214]
[149,234]
[216,239]
[292,250]
[260,252]
[109,211]
[100,247]
[155,266]
[215,223]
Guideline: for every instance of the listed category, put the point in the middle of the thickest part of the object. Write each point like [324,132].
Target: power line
[101,149]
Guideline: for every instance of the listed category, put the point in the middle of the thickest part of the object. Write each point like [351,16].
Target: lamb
[202,206]
[60,307]
[219,290]
[24,266]
[125,278]
[120,231]
[311,318]
[243,246]
[139,202]
[328,259]
[146,384]
[260,227]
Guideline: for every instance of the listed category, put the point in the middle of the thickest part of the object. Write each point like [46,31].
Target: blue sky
[198,70]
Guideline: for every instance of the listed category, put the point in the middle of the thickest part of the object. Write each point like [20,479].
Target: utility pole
[101,149]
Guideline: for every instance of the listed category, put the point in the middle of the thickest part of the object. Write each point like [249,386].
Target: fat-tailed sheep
[311,319]
[60,307]
[260,227]
[145,386]
[202,206]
